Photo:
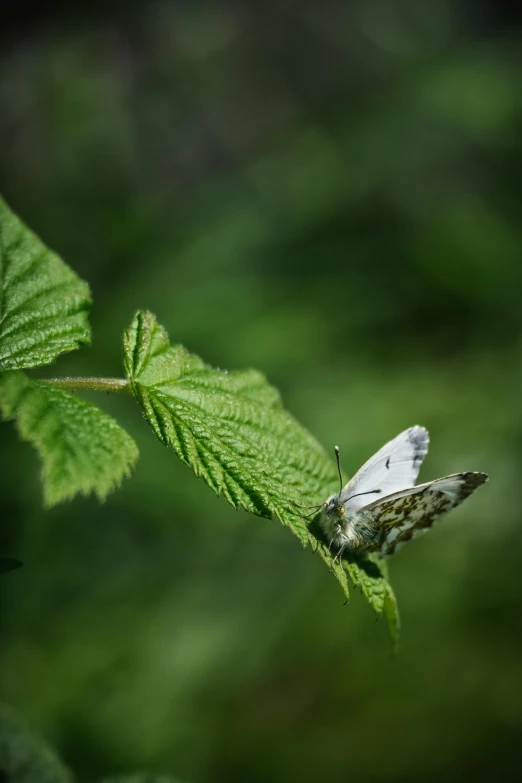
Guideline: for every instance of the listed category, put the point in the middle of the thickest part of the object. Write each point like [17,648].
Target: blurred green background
[328,192]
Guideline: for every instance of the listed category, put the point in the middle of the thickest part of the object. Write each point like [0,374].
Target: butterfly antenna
[339,469]
[370,492]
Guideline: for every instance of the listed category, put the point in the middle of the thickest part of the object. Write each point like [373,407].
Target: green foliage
[82,449]
[390,610]
[338,206]
[368,575]
[229,427]
[25,758]
[43,303]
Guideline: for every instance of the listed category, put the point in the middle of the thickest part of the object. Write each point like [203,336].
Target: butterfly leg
[330,547]
[339,554]
[334,537]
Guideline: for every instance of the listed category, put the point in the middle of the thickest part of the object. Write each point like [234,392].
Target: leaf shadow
[366,564]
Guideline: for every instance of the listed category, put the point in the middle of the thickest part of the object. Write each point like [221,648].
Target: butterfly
[401,511]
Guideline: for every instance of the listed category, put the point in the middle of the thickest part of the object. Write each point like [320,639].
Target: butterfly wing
[393,468]
[406,514]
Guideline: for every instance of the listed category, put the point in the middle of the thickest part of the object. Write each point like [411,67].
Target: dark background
[329,192]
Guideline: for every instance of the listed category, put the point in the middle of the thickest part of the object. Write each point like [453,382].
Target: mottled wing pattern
[404,515]
[392,468]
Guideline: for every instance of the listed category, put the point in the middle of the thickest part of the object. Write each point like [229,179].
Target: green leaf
[43,303]
[391,613]
[367,575]
[231,429]
[336,568]
[82,449]
[370,574]
[25,758]
[8,564]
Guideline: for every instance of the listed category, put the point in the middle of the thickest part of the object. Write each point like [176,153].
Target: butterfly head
[334,507]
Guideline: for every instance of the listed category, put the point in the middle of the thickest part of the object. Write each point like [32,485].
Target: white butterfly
[401,511]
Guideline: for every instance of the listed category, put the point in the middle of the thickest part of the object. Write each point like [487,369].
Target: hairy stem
[92,384]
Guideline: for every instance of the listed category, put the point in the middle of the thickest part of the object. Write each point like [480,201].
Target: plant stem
[92,384]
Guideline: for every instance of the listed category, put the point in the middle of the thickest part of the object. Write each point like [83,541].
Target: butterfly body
[353,520]
[355,530]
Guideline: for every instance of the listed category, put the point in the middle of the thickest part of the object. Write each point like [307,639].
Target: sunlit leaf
[43,303]
[230,427]
[232,430]
[82,449]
